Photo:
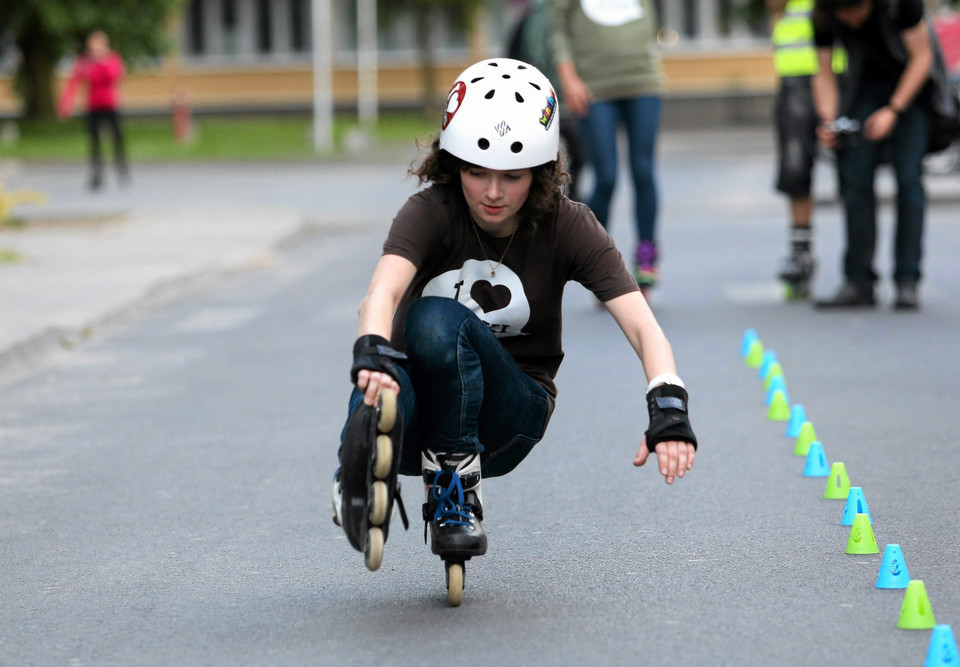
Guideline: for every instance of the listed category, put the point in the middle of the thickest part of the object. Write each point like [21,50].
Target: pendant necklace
[493,269]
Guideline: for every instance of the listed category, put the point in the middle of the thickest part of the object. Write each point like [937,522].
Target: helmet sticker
[502,128]
[458,91]
[547,114]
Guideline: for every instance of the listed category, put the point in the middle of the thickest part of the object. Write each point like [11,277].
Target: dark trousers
[856,165]
[461,391]
[109,119]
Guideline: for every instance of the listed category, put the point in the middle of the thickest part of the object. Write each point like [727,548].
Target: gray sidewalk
[84,260]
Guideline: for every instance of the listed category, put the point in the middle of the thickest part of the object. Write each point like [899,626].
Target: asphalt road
[164,487]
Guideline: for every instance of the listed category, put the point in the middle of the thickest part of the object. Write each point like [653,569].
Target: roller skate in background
[365,487]
[796,273]
[645,266]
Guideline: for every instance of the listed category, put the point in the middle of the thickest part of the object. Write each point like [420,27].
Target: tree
[458,13]
[46,31]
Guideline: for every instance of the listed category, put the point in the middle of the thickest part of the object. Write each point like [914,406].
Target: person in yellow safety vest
[795,60]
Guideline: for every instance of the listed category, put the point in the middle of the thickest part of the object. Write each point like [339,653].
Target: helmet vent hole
[521,67]
[519,97]
[516,147]
[479,78]
[494,64]
[489,95]
[484,144]
[534,85]
[505,76]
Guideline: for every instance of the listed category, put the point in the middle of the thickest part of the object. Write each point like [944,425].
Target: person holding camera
[890,57]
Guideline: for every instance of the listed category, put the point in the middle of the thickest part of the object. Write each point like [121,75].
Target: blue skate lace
[450,509]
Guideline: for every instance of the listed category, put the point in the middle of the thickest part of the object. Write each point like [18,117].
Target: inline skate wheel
[373,553]
[384,458]
[455,583]
[388,411]
[378,503]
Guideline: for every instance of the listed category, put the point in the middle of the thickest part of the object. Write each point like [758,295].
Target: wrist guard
[667,404]
[373,353]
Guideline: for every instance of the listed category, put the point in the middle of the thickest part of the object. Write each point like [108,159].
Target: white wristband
[665,378]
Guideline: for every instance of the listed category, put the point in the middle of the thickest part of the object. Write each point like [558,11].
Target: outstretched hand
[674,458]
[371,382]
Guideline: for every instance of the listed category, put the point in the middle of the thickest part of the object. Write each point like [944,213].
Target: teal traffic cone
[893,569]
[856,504]
[816,464]
[769,357]
[942,651]
[797,416]
[749,335]
[775,370]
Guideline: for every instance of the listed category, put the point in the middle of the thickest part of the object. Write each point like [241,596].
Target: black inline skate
[453,513]
[796,272]
[365,487]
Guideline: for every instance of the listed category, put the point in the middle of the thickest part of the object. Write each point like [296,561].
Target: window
[228,22]
[299,25]
[196,43]
[264,26]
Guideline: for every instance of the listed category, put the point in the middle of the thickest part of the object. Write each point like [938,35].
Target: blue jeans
[856,167]
[640,117]
[461,391]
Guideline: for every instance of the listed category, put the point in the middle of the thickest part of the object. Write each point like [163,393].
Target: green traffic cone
[838,486]
[779,408]
[916,612]
[755,355]
[861,540]
[807,435]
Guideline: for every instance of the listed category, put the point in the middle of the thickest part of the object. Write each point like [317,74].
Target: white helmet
[501,114]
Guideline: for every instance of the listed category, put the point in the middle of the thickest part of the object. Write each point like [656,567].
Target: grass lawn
[262,137]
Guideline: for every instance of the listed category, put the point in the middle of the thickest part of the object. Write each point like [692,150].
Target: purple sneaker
[645,269]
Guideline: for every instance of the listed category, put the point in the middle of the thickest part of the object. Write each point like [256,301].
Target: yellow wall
[284,86]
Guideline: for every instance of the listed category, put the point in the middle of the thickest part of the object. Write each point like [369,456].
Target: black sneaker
[849,296]
[907,297]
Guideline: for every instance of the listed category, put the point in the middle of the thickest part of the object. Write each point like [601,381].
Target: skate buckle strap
[403,510]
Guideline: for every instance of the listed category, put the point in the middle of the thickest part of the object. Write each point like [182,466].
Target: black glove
[373,353]
[667,404]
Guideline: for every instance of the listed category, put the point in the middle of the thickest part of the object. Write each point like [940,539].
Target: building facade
[236,55]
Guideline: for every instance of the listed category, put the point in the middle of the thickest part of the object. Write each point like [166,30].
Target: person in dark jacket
[890,56]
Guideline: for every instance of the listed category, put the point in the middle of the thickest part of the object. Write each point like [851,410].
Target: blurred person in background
[889,62]
[608,64]
[530,42]
[101,70]
[795,60]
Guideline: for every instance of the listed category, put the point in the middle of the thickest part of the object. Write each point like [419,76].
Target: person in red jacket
[101,71]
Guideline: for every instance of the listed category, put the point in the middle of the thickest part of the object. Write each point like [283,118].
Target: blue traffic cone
[816,465]
[797,416]
[749,335]
[893,569]
[778,383]
[942,651]
[769,356]
[856,504]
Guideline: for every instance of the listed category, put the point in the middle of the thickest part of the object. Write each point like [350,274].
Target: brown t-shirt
[522,303]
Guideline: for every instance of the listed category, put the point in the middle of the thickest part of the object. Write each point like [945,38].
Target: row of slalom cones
[915,611]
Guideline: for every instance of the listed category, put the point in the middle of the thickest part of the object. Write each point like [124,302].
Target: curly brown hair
[443,168]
